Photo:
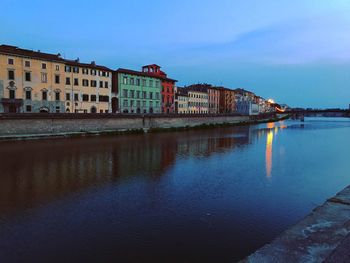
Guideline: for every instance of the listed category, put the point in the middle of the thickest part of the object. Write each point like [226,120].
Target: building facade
[87,87]
[181,101]
[168,87]
[197,102]
[33,81]
[213,100]
[226,101]
[27,81]
[136,92]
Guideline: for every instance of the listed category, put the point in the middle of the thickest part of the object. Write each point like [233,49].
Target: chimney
[77,60]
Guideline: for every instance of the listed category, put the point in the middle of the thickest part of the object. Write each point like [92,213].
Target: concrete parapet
[319,237]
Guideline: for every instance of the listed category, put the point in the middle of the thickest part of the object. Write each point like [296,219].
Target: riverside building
[181,101]
[142,91]
[33,81]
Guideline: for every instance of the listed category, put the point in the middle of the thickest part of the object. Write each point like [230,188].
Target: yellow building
[197,102]
[32,81]
[87,87]
[181,101]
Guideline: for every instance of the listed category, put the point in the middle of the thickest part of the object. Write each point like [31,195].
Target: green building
[135,92]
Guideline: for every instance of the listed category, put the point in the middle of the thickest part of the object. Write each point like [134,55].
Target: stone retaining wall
[58,124]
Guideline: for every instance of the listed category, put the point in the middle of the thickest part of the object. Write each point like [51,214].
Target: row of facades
[33,81]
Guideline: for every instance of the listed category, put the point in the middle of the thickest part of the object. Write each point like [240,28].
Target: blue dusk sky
[297,52]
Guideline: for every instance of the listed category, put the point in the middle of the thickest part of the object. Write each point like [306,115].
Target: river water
[212,195]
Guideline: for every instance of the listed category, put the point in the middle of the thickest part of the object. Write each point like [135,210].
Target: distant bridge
[298,113]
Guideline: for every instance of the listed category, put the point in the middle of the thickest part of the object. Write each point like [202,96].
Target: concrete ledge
[316,238]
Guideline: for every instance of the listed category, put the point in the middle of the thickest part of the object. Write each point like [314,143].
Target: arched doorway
[44,110]
[138,110]
[150,110]
[93,109]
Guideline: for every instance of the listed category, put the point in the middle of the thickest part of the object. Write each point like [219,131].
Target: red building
[168,87]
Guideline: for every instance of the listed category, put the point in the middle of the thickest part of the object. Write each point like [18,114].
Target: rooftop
[13,50]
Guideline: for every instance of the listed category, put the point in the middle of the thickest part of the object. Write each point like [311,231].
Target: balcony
[11,101]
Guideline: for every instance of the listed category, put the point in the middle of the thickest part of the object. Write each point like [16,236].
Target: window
[151,95]
[68,69]
[137,94]
[76,82]
[144,103]
[144,94]
[10,61]
[106,84]
[125,93]
[76,97]
[44,95]
[57,96]
[85,71]
[43,65]
[157,95]
[125,80]
[85,82]
[151,83]
[93,72]
[93,97]
[125,103]
[57,109]
[103,98]
[67,81]
[131,103]
[85,97]
[93,83]
[67,96]
[137,82]
[132,81]
[101,84]
[75,69]
[28,76]
[28,94]
[28,108]
[44,77]
[132,93]
[11,74]
[157,84]
[57,79]
[57,67]
[27,63]
[138,103]
[143,82]
[12,94]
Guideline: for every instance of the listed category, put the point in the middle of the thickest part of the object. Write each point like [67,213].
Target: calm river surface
[196,196]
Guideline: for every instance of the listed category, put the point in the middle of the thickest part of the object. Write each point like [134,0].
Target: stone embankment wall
[74,123]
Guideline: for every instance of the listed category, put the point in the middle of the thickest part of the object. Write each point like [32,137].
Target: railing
[122,115]
[12,101]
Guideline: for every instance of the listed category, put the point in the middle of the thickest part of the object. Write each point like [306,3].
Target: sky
[296,52]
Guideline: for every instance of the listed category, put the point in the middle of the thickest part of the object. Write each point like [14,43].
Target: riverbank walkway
[322,236]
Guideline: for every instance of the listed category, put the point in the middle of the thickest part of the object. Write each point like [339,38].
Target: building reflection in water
[37,172]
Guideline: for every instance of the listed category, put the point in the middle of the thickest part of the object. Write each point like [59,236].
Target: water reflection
[268,154]
[36,172]
[272,130]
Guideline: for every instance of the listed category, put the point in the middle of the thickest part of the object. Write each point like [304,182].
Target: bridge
[300,113]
